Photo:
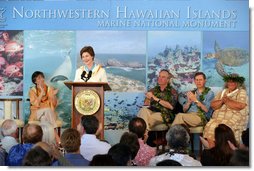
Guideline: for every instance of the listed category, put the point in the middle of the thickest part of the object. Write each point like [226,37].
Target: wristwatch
[196,101]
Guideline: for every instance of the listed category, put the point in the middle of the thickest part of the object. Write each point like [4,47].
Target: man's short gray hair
[8,127]
[178,137]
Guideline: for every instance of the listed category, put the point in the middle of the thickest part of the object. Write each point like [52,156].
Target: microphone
[83,75]
[89,76]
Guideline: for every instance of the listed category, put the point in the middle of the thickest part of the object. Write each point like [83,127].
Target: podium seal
[87,102]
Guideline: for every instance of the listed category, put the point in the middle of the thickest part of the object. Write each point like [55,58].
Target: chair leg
[21,131]
[156,140]
[192,142]
[200,145]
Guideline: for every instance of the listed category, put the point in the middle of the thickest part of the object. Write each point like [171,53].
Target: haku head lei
[233,77]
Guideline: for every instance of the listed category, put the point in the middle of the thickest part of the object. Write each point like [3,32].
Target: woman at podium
[89,72]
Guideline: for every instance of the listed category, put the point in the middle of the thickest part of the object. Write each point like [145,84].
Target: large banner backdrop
[133,41]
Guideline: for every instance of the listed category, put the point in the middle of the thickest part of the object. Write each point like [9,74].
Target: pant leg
[151,118]
[189,119]
[48,115]
[145,114]
[155,119]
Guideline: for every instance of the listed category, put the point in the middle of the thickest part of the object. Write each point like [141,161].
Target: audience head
[70,140]
[37,157]
[48,132]
[168,162]
[245,139]
[131,139]
[32,133]
[178,138]
[102,160]
[90,124]
[240,158]
[121,154]
[45,146]
[223,134]
[35,75]
[137,126]
[9,128]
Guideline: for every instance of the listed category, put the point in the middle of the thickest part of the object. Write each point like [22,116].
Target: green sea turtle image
[229,56]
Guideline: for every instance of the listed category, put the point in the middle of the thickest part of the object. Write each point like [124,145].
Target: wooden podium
[99,88]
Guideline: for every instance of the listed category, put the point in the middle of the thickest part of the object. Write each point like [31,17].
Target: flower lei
[166,114]
[201,113]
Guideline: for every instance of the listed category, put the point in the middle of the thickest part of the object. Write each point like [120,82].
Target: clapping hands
[191,97]
[149,95]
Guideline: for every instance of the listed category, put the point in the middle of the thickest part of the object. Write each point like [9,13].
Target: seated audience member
[37,156]
[70,141]
[230,108]
[168,162]
[90,145]
[121,154]
[240,158]
[31,134]
[178,141]
[54,152]
[45,146]
[9,131]
[43,101]
[145,152]
[3,155]
[102,160]
[197,105]
[161,101]
[131,139]
[220,154]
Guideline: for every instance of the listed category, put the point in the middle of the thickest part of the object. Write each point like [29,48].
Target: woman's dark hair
[222,151]
[35,75]
[87,49]
[120,153]
[131,139]
[37,157]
